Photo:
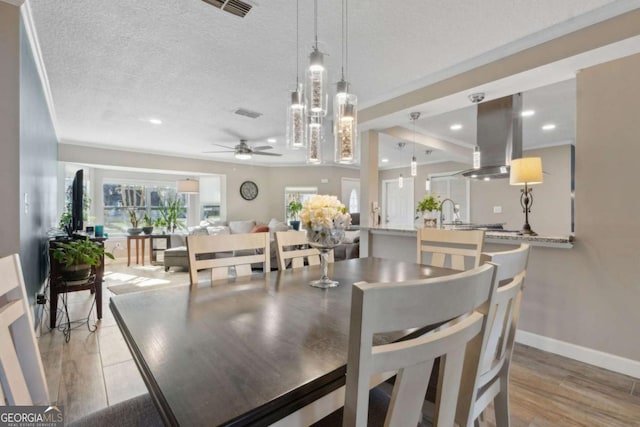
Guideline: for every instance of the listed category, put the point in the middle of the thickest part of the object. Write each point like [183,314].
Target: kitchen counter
[499,237]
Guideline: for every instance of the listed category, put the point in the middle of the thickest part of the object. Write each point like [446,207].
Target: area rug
[141,279]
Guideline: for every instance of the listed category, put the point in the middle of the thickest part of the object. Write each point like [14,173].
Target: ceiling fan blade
[262,147]
[223,146]
[223,151]
[260,153]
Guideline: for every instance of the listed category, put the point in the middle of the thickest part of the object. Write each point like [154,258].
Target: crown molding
[32,36]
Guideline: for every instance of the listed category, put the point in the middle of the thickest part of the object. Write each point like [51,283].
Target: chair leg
[501,403]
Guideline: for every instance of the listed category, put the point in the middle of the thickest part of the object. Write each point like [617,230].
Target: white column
[368,186]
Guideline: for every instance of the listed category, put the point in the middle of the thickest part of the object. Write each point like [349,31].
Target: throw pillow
[239,227]
[260,229]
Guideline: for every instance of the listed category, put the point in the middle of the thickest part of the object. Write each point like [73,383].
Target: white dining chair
[242,250]
[292,249]
[22,380]
[502,314]
[450,248]
[22,375]
[383,307]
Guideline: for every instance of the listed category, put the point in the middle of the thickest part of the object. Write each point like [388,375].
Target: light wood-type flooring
[95,370]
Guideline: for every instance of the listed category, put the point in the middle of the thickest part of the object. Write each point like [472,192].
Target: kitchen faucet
[456,209]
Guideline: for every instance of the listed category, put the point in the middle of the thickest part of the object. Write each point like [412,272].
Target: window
[298,194]
[455,188]
[353,201]
[147,198]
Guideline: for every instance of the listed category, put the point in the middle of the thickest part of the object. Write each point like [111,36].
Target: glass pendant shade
[427,185]
[316,90]
[414,166]
[346,125]
[296,120]
[400,181]
[315,138]
[476,157]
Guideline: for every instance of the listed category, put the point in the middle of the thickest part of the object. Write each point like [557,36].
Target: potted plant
[76,257]
[161,223]
[133,217]
[427,208]
[171,212]
[294,210]
[147,224]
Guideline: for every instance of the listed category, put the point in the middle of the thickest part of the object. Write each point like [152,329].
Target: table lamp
[527,171]
[188,186]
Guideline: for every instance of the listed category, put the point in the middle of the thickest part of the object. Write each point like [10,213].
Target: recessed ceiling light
[384,160]
[271,140]
[155,121]
[528,113]
[549,126]
[456,126]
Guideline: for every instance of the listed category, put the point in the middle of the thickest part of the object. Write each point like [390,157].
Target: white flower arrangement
[324,212]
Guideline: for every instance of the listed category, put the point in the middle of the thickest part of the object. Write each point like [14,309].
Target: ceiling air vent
[248,113]
[235,7]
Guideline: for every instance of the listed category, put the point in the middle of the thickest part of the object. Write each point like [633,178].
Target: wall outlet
[497,209]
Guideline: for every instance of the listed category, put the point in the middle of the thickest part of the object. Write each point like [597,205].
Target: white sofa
[177,256]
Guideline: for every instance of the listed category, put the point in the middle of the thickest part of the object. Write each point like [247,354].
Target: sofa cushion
[218,230]
[197,231]
[351,236]
[239,227]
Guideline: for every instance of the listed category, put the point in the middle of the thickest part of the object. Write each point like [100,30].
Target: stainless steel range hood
[499,137]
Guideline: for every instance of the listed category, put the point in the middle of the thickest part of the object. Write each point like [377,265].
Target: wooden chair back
[502,319]
[22,379]
[292,245]
[248,248]
[383,307]
[449,248]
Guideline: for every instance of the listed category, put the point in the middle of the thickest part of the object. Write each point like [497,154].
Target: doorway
[397,203]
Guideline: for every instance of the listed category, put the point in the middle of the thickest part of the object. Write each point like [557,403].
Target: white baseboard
[582,354]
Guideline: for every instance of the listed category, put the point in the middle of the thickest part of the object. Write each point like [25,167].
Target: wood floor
[95,370]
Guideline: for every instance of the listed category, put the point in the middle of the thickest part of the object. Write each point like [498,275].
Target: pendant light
[427,185]
[345,105]
[414,164]
[315,138]
[316,91]
[400,181]
[296,117]
[476,157]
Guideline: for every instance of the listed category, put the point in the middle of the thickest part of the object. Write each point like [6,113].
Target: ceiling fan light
[243,156]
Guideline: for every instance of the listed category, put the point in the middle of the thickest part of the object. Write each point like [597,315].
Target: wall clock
[249,190]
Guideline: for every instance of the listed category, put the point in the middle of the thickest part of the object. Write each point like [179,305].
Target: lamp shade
[527,170]
[188,186]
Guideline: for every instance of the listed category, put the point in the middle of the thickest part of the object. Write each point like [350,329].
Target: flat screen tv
[77,190]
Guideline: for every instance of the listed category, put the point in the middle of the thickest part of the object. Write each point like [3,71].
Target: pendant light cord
[297,45]
[346,37]
[343,43]
[315,20]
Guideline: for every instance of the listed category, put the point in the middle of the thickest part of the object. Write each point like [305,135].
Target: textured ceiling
[113,65]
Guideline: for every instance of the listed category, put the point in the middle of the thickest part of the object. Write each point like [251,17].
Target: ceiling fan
[242,151]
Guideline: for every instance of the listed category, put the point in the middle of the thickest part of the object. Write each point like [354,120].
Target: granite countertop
[490,236]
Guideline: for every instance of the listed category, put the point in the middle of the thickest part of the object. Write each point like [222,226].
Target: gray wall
[9,129]
[589,295]
[38,171]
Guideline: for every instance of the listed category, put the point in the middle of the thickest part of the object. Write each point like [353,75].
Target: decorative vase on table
[430,219]
[324,240]
[325,220]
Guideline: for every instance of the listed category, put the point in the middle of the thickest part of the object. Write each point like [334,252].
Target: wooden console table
[58,286]
[137,238]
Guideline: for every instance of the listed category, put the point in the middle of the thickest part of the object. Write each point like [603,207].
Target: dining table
[251,350]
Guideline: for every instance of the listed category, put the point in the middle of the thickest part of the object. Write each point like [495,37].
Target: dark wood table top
[250,351]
